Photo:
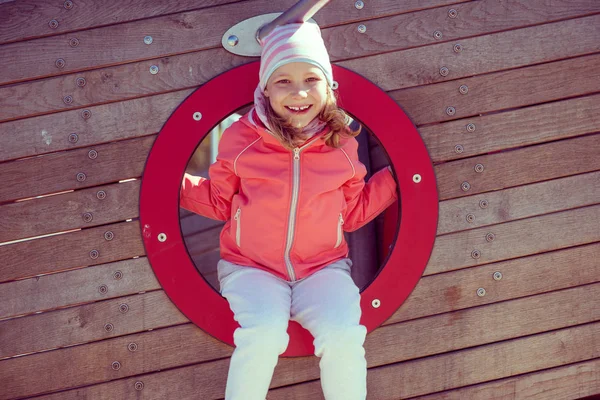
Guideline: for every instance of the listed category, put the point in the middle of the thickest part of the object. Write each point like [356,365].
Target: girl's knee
[341,340]
[263,338]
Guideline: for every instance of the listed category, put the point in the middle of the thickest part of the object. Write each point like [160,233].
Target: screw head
[458,149]
[481,292]
[80,82]
[109,327]
[68,99]
[68,4]
[123,308]
[73,138]
[470,218]
[116,365]
[233,40]
[132,347]
[108,235]
[335,85]
[87,217]
[60,63]
[465,186]
[479,168]
[92,154]
[359,5]
[476,254]
[463,89]
[416,178]
[139,385]
[162,237]
[452,13]
[444,71]
[74,42]
[53,24]
[197,116]
[118,275]
[497,275]
[81,177]
[86,114]
[376,303]
[483,203]
[437,35]
[154,69]
[490,237]
[103,289]
[470,127]
[362,28]
[101,195]
[148,39]
[457,48]
[451,111]
[94,254]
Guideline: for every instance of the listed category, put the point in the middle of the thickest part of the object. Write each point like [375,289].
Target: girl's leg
[327,303]
[261,304]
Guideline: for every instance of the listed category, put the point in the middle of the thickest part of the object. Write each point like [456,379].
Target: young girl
[288,182]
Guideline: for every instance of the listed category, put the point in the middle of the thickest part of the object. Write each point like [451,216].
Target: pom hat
[293,43]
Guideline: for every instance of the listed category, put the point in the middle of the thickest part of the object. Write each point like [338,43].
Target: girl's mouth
[298,109]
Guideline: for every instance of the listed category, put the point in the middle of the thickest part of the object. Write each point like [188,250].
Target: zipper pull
[237,214]
[297,153]
[341,220]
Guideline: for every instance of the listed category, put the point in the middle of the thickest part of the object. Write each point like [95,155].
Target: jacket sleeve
[366,200]
[212,197]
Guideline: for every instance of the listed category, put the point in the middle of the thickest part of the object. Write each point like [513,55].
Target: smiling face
[297,92]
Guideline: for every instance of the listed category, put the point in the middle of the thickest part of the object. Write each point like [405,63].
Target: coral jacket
[286,211]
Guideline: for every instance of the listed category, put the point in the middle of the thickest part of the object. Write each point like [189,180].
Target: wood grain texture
[519,202]
[513,129]
[515,239]
[27,19]
[70,250]
[58,172]
[529,315]
[563,383]
[108,123]
[48,292]
[172,34]
[63,212]
[501,90]
[521,166]
[469,366]
[87,323]
[521,277]
[482,54]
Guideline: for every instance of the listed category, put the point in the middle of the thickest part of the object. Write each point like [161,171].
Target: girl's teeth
[298,108]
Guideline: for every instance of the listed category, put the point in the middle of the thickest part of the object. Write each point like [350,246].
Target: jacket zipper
[340,233]
[238,232]
[293,207]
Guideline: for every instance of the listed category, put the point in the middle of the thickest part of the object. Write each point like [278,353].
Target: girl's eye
[283,81]
[313,79]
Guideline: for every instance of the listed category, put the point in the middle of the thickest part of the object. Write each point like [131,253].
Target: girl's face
[297,92]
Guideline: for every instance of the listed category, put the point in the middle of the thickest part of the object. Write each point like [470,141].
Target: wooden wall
[81,313]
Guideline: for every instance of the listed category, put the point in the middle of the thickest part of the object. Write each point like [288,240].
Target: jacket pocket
[340,231]
[238,227]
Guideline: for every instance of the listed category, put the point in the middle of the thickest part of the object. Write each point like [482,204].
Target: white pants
[327,304]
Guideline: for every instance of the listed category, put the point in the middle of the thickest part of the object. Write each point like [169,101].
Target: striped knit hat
[293,43]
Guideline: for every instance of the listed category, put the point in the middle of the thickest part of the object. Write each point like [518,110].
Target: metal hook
[300,12]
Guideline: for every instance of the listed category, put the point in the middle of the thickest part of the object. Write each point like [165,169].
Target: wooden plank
[87,323]
[48,292]
[482,54]
[172,34]
[512,129]
[467,367]
[70,250]
[66,211]
[515,239]
[563,383]
[525,276]
[474,18]
[520,202]
[156,351]
[59,172]
[501,90]
[108,123]
[433,295]
[518,167]
[28,19]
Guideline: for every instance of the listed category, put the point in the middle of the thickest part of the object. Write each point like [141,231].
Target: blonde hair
[335,118]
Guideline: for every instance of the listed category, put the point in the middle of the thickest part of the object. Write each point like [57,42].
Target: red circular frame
[217,99]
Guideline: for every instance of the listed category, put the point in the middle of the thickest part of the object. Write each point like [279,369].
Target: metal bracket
[241,39]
